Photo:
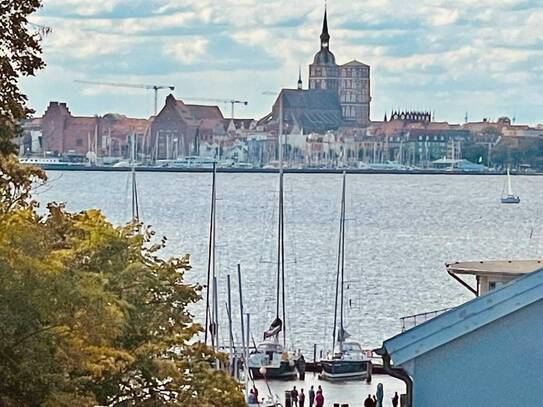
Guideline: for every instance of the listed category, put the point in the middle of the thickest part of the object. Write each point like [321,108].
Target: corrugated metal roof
[465,319]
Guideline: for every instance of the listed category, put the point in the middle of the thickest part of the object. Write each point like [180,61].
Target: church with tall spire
[337,96]
[351,81]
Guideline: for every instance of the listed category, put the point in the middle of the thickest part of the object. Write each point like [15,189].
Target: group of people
[372,401]
[315,399]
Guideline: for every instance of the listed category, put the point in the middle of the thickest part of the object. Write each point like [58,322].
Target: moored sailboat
[509,197]
[271,358]
[347,361]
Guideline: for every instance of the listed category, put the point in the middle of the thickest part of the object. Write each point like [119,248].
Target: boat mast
[342,258]
[135,205]
[280,291]
[340,272]
[210,323]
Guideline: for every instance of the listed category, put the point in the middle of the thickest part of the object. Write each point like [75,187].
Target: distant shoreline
[84,168]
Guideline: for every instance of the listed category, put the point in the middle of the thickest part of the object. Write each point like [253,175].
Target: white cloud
[443,16]
[188,51]
[466,48]
[85,7]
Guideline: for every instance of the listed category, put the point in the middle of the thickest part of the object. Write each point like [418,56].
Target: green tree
[20,55]
[473,151]
[90,314]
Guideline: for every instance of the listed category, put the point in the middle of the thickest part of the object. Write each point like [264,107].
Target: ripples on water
[401,230]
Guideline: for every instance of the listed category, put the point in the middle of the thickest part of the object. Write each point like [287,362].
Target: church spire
[325,37]
[299,77]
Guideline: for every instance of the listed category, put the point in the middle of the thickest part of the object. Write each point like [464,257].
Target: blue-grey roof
[466,318]
[314,110]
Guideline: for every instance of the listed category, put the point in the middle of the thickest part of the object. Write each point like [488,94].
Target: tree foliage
[20,55]
[90,314]
[527,151]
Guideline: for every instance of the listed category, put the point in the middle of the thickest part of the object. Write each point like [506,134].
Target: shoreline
[84,168]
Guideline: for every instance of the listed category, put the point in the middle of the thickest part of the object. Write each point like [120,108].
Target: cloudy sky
[484,57]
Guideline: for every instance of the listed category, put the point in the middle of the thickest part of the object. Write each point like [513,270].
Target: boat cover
[275,327]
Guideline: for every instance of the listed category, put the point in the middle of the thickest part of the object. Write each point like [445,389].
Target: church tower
[323,72]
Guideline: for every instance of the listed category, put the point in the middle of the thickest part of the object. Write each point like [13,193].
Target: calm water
[401,230]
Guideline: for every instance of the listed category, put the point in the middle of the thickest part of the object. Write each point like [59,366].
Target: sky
[480,57]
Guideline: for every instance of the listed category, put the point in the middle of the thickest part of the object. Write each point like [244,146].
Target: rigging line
[209,253]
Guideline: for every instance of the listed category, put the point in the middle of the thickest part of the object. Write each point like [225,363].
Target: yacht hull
[343,370]
[285,371]
[510,200]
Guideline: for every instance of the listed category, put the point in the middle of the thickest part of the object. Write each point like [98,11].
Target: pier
[309,170]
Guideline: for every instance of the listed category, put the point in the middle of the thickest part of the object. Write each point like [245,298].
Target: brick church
[338,95]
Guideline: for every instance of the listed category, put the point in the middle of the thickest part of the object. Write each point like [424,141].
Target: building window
[79,142]
[491,285]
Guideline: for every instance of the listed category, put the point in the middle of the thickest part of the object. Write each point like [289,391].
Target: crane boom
[127,85]
[155,88]
[231,101]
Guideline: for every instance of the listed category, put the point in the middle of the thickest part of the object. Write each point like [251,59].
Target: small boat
[510,197]
[347,361]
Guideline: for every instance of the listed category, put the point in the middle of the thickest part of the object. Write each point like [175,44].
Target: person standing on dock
[311,396]
[255,392]
[294,397]
[319,399]
[369,402]
[395,399]
[301,398]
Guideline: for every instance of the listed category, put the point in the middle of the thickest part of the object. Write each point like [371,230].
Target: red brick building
[58,132]
[179,128]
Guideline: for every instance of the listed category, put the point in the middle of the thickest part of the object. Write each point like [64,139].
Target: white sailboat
[509,197]
[271,358]
[347,361]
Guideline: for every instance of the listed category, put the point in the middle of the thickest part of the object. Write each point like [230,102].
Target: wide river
[400,232]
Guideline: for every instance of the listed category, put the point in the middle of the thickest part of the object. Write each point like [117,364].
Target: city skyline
[473,56]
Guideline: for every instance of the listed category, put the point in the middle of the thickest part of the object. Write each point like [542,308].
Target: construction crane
[231,101]
[155,88]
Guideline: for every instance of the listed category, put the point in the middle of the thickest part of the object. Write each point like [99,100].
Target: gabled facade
[179,128]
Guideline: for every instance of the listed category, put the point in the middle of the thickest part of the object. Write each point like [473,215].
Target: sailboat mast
[283,264]
[210,260]
[342,256]
[135,206]
[281,228]
[340,268]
